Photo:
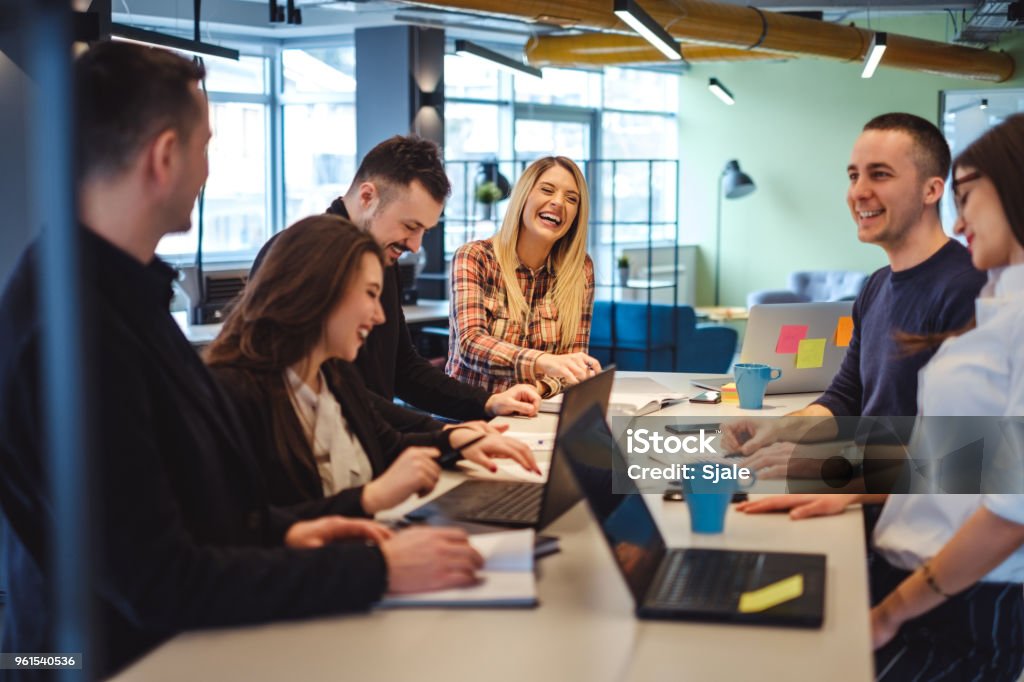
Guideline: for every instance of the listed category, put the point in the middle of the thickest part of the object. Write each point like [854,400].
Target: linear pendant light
[466,47]
[640,21]
[133,34]
[875,52]
[721,92]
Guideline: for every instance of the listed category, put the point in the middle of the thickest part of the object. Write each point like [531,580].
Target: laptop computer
[680,584]
[519,503]
[761,343]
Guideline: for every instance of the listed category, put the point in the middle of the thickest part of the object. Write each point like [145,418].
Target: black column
[400,90]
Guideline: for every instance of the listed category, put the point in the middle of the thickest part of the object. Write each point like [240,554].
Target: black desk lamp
[733,184]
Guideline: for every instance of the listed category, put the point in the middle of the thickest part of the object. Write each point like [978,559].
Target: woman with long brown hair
[283,356]
[522,300]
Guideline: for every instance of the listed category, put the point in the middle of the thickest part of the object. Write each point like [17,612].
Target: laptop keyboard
[705,580]
[490,501]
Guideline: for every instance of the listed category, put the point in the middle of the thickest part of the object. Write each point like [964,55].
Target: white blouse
[340,458]
[979,374]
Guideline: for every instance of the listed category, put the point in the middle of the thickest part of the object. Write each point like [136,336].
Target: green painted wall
[792,129]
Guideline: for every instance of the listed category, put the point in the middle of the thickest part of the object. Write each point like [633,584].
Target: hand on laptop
[519,399]
[327,529]
[772,461]
[747,435]
[425,559]
[414,471]
[484,450]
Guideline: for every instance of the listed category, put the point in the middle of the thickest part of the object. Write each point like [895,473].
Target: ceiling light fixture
[721,92]
[133,34]
[466,47]
[875,52]
[642,22]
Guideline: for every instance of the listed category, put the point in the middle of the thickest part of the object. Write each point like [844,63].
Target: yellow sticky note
[768,596]
[844,331]
[810,353]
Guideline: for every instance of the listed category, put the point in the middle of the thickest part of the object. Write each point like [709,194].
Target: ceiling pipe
[700,21]
[611,49]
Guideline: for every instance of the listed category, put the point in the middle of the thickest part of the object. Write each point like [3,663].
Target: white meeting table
[584,628]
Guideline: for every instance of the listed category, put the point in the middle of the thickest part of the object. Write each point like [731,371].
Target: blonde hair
[568,256]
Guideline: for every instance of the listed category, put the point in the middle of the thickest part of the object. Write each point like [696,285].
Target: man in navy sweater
[897,174]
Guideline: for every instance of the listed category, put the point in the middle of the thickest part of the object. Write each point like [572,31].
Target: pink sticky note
[789,338]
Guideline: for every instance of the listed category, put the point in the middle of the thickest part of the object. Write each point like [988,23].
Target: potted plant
[487,194]
[623,262]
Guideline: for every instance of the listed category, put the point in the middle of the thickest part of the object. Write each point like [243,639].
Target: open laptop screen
[632,533]
[560,493]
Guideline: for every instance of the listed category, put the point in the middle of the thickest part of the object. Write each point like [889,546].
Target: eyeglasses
[958,200]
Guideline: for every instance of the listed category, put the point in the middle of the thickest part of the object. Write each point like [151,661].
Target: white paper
[506,579]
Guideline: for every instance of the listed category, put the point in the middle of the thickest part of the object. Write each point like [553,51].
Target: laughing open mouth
[551,219]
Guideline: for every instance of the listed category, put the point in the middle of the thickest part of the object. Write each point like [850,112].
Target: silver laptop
[763,342]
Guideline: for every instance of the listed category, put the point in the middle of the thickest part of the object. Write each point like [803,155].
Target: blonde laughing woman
[522,300]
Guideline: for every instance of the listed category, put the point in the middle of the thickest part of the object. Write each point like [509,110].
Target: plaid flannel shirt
[485,346]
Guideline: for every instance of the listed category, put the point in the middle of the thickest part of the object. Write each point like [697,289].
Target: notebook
[807,341]
[507,577]
[632,396]
[762,588]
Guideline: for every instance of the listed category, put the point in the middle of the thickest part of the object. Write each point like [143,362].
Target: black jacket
[185,537]
[391,366]
[381,442]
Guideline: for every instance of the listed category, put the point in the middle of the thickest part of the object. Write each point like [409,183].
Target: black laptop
[680,584]
[522,503]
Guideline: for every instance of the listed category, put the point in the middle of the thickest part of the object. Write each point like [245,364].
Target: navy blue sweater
[877,378]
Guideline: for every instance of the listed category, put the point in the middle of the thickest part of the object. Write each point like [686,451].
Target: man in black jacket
[185,537]
[398,194]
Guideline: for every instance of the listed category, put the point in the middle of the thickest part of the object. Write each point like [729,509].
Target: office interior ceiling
[251,16]
[978,22]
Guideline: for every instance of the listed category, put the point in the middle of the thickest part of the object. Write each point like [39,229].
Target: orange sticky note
[844,331]
[789,338]
[810,354]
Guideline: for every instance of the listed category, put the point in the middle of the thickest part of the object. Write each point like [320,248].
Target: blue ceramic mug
[708,493]
[751,381]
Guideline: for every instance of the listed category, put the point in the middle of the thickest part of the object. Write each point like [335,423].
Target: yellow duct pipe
[607,49]
[747,27]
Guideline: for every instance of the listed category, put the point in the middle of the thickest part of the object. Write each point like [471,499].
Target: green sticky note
[810,353]
[768,596]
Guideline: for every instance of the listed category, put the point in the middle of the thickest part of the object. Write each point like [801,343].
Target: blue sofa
[704,348]
[805,286]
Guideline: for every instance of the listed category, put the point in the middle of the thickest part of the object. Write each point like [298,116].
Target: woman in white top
[947,570]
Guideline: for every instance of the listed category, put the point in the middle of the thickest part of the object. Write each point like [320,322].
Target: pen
[450,455]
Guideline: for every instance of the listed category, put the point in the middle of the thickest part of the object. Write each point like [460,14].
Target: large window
[283,147]
[236,204]
[621,126]
[319,128]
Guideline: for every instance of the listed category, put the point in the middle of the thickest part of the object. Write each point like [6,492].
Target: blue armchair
[705,349]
